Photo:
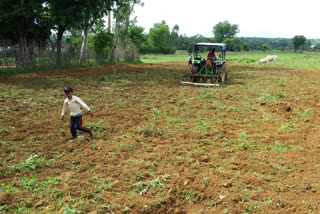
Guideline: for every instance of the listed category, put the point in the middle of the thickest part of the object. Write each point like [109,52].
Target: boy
[76,116]
[190,60]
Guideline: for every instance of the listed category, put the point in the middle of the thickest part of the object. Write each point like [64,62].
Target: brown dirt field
[249,146]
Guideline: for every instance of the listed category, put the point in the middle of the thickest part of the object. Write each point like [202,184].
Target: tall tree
[224,30]
[122,11]
[159,36]
[65,14]
[128,8]
[116,12]
[298,42]
[102,41]
[92,12]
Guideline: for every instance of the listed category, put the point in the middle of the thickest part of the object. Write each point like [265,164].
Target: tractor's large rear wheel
[195,71]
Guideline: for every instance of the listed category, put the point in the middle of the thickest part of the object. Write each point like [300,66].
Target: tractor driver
[211,54]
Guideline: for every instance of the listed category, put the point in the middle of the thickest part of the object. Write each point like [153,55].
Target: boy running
[74,102]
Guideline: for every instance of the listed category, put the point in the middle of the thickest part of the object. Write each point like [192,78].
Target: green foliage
[265,47]
[142,187]
[224,30]
[102,42]
[33,162]
[158,41]
[136,35]
[68,210]
[236,44]
[4,209]
[288,126]
[97,126]
[281,148]
[298,42]
[27,22]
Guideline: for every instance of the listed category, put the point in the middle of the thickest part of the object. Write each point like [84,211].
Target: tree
[102,41]
[265,47]
[283,44]
[128,10]
[135,35]
[174,35]
[71,14]
[228,42]
[65,14]
[92,12]
[224,30]
[24,22]
[298,42]
[116,12]
[159,37]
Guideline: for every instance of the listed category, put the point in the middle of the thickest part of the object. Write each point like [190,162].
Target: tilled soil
[249,146]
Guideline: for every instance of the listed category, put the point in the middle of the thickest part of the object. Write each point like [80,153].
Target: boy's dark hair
[68,89]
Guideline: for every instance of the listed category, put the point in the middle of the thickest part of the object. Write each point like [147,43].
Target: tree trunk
[126,34]
[26,53]
[53,47]
[113,51]
[59,45]
[84,47]
[109,22]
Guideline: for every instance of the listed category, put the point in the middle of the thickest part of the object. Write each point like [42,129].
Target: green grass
[180,55]
[300,60]
[305,59]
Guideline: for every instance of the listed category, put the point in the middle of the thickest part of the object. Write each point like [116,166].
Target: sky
[255,18]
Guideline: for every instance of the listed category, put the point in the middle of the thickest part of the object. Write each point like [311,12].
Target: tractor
[212,69]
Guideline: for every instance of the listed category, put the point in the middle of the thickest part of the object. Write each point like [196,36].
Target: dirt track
[250,146]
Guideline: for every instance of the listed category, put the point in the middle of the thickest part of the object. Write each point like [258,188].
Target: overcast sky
[256,18]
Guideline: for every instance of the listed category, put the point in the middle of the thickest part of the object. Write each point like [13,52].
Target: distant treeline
[183,42]
[161,40]
[243,43]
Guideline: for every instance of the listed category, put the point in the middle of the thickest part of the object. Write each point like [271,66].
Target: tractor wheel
[195,69]
[227,72]
[222,73]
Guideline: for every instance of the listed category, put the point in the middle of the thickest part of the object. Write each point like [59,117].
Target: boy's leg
[80,127]
[73,127]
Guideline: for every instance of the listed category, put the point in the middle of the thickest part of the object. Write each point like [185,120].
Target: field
[249,146]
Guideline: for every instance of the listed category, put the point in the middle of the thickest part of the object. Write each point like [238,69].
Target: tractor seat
[212,60]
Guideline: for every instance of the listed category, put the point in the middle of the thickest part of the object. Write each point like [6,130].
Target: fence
[10,56]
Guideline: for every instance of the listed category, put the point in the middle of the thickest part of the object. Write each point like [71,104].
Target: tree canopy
[224,30]
[298,42]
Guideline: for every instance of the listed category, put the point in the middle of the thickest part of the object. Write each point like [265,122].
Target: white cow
[262,61]
[273,58]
